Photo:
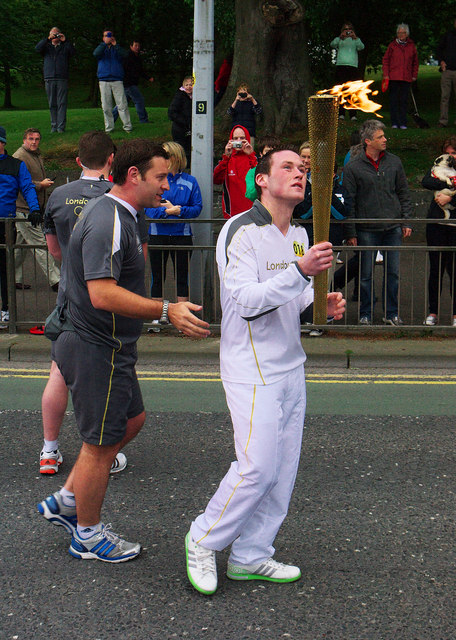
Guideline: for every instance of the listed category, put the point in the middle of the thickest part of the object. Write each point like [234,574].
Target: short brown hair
[30,130]
[135,153]
[94,149]
[267,141]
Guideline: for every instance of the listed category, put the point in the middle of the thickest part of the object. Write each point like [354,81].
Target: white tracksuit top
[262,294]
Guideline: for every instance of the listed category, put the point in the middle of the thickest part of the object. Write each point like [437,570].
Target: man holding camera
[110,74]
[236,161]
[56,51]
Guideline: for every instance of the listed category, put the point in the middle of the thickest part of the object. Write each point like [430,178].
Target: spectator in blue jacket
[110,74]
[56,52]
[181,203]
[14,177]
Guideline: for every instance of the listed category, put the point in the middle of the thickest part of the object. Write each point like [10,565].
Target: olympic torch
[323,112]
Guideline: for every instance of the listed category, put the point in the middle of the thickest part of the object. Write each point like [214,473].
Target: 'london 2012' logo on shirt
[274,266]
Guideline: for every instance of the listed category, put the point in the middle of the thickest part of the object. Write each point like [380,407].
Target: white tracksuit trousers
[252,500]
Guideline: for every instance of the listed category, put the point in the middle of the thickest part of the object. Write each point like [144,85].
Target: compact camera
[237,144]
[109,34]
[348,32]
[242,94]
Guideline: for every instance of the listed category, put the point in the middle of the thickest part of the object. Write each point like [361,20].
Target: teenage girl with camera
[244,110]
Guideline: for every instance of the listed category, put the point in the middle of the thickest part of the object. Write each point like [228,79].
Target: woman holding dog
[400,69]
[441,235]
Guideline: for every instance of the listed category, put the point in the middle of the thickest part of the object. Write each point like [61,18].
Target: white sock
[68,498]
[50,445]
[88,532]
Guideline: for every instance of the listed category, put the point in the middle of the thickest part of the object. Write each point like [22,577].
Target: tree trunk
[7,104]
[270,55]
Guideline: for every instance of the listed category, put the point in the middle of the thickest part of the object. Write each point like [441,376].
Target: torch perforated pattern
[323,112]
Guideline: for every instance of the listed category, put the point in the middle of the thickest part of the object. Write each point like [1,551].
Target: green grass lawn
[59,149]
[416,147]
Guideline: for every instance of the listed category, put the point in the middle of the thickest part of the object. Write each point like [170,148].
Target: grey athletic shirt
[105,243]
[62,211]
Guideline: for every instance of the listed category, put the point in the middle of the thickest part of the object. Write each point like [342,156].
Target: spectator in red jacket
[237,159]
[400,69]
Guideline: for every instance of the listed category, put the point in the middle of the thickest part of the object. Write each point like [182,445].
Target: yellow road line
[216,375]
[340,378]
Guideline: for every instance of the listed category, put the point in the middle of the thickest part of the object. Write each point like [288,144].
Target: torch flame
[354,95]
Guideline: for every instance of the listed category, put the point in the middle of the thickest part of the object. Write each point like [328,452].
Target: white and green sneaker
[201,567]
[268,570]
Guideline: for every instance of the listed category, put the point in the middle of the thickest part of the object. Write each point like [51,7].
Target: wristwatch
[164,315]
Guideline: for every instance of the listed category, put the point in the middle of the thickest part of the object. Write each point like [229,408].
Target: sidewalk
[172,349]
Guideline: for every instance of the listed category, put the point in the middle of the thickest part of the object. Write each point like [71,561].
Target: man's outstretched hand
[181,316]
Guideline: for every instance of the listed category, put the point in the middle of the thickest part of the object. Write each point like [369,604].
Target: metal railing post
[11,274]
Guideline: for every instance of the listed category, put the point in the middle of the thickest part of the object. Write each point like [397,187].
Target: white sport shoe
[268,570]
[119,464]
[104,545]
[201,567]
[50,462]
[431,320]
[4,316]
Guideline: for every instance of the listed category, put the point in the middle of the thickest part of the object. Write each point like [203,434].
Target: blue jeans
[135,95]
[390,238]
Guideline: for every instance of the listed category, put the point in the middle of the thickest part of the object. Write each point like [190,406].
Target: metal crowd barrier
[30,307]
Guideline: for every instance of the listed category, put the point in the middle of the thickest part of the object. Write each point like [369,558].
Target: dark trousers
[159,258]
[440,235]
[345,73]
[179,134]
[57,94]
[399,95]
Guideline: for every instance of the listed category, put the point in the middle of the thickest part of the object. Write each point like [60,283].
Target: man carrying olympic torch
[266,271]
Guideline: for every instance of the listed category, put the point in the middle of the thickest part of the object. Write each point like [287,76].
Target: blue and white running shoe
[104,545]
[53,509]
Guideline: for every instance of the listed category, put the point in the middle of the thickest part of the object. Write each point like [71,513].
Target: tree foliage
[165,30]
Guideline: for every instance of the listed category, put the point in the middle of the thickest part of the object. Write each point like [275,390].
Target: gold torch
[323,113]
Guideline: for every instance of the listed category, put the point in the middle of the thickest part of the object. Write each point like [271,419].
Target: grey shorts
[103,384]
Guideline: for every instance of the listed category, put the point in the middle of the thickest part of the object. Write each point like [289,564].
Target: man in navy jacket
[56,51]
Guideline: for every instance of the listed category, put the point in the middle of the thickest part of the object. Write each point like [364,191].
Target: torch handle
[322,135]
[320,313]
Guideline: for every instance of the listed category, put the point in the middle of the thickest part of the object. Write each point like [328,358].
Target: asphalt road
[371,525]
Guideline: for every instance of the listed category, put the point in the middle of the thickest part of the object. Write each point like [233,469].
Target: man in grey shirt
[95,156]
[107,304]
